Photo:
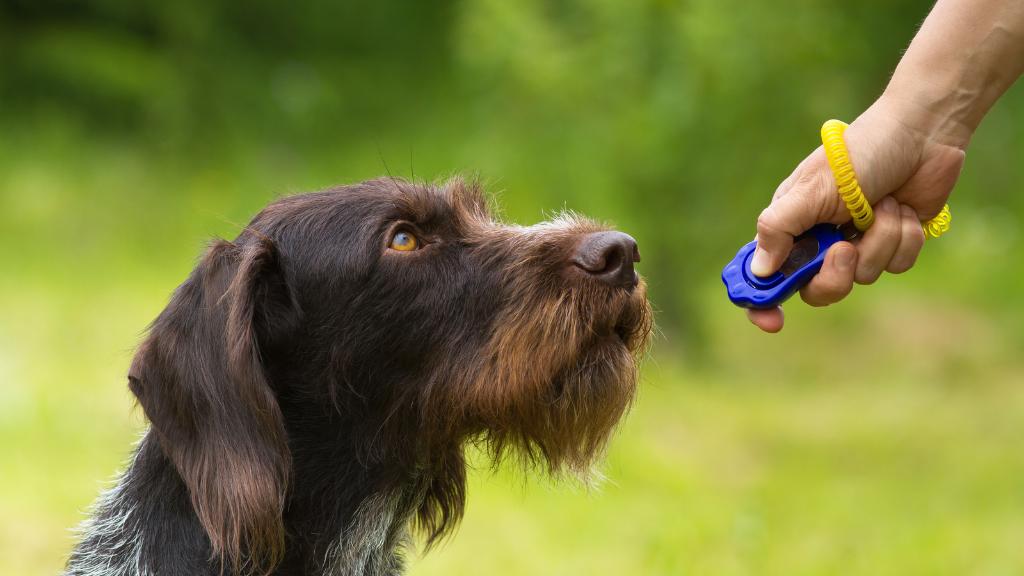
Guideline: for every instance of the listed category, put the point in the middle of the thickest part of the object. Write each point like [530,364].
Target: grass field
[879,437]
[820,451]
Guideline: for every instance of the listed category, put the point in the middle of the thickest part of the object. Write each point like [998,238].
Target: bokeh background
[880,436]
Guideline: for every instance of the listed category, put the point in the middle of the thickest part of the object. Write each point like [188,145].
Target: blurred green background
[881,436]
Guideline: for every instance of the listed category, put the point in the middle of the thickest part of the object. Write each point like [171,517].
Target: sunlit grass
[710,477]
[854,468]
[876,437]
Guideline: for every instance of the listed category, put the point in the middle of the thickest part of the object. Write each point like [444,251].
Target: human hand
[905,172]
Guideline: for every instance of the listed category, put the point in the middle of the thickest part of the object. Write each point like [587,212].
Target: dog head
[407,313]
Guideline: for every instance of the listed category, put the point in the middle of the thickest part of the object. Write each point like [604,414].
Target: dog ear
[199,378]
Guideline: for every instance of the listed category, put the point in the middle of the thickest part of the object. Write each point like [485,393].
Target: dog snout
[608,257]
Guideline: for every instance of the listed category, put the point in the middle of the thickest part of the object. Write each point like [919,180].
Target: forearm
[965,56]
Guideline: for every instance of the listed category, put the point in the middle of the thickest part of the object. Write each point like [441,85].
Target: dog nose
[608,257]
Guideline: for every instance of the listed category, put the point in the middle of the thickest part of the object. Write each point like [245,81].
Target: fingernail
[846,258]
[760,264]
[888,204]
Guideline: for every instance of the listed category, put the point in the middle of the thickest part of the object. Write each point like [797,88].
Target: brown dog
[312,385]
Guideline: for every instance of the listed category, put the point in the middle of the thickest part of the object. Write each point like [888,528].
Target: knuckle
[840,291]
[900,265]
[888,223]
[821,192]
[892,226]
[814,189]
[902,262]
[867,275]
[825,292]
[910,247]
[815,298]
[915,237]
[836,287]
[766,222]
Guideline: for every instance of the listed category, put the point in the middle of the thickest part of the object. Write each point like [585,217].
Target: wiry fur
[111,539]
[311,392]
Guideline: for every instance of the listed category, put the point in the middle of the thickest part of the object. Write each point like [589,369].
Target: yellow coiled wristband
[849,189]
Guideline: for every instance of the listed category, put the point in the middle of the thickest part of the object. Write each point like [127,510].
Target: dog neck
[146,525]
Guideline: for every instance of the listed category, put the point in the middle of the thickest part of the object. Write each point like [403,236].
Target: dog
[312,385]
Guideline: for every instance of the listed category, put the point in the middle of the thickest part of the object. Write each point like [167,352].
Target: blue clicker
[804,261]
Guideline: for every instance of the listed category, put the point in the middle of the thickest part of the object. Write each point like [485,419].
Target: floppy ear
[199,378]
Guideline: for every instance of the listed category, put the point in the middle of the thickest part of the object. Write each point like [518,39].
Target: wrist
[932,110]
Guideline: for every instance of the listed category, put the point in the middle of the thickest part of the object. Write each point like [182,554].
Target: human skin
[907,150]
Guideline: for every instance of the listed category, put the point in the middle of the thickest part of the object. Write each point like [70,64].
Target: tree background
[878,436]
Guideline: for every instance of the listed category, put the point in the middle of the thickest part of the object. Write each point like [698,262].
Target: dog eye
[404,242]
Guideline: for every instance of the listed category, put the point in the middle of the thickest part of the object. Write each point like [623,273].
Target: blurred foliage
[130,132]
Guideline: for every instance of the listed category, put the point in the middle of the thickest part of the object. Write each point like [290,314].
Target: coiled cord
[849,189]
[939,225]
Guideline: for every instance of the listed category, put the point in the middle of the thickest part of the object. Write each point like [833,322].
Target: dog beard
[557,380]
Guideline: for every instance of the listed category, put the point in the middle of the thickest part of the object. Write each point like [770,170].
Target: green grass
[800,460]
[880,476]
[886,477]
[881,436]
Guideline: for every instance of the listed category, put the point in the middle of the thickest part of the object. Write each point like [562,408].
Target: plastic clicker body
[804,261]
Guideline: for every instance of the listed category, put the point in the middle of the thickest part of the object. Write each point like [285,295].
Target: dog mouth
[629,323]
[561,374]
